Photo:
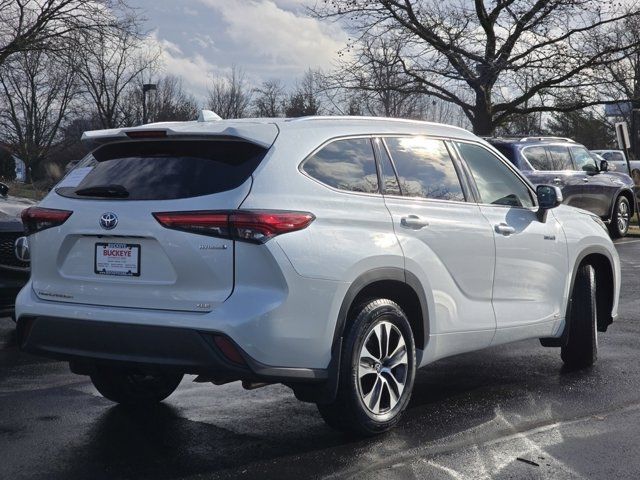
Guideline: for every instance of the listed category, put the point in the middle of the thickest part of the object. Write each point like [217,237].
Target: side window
[345,164]
[425,168]
[496,183]
[613,156]
[560,157]
[584,160]
[390,184]
[537,157]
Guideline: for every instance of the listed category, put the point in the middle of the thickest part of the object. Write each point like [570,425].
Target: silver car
[334,255]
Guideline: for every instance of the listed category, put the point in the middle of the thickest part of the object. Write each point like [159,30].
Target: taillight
[255,226]
[36,219]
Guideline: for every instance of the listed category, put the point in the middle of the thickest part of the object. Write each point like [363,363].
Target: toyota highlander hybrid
[333,255]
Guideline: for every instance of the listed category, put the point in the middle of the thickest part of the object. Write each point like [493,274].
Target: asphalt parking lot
[505,412]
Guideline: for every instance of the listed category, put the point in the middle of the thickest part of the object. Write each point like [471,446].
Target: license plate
[122,259]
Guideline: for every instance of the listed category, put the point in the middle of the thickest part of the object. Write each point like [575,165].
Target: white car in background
[334,255]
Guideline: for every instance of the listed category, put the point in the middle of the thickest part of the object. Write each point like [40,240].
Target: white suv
[334,255]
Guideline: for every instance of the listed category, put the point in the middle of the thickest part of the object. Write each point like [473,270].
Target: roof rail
[564,139]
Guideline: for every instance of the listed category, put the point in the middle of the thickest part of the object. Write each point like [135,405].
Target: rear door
[113,252]
[444,238]
[553,166]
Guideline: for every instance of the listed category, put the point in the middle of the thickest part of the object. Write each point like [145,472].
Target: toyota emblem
[108,221]
[21,249]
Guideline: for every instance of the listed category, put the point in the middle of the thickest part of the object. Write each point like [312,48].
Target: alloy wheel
[383,367]
[623,217]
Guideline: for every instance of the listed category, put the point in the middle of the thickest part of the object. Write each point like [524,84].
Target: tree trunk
[482,120]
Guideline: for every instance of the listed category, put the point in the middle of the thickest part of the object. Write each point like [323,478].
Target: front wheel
[377,371]
[619,225]
[581,349]
[130,387]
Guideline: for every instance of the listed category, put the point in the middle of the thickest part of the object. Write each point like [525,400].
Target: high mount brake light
[147,134]
[256,226]
[36,219]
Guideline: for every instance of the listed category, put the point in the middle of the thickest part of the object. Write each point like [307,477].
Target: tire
[129,387]
[581,348]
[621,218]
[375,382]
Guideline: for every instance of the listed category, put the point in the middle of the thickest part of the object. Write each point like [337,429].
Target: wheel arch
[605,287]
[601,261]
[392,283]
[628,194]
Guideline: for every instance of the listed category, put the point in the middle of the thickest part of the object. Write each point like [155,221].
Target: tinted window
[613,156]
[583,159]
[559,157]
[425,168]
[163,170]
[507,151]
[345,164]
[390,184]
[496,183]
[537,157]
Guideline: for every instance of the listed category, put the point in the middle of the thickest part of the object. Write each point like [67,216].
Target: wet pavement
[505,412]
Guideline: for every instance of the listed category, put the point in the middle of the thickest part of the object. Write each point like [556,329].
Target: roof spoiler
[258,133]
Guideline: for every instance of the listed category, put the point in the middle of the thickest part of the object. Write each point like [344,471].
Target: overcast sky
[266,38]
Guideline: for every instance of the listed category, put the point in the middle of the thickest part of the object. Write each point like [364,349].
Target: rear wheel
[131,387]
[581,349]
[377,371]
[620,219]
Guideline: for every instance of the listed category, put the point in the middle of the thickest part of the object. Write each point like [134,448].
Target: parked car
[618,163]
[14,270]
[334,255]
[570,166]
[612,155]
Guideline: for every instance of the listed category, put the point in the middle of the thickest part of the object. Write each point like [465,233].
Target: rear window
[162,170]
[346,164]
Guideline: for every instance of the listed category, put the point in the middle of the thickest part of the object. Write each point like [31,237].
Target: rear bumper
[88,343]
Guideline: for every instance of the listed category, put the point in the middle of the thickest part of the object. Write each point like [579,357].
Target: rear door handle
[505,229]
[585,179]
[413,221]
[557,180]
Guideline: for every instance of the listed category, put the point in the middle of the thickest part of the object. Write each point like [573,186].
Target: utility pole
[635,109]
[146,88]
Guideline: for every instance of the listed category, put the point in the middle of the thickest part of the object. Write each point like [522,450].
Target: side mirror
[4,190]
[548,197]
[604,166]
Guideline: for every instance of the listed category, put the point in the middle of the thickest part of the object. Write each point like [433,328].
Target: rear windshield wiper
[116,191]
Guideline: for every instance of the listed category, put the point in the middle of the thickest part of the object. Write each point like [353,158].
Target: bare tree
[111,64]
[305,99]
[476,54]
[230,96]
[27,25]
[169,102]
[269,99]
[378,76]
[38,89]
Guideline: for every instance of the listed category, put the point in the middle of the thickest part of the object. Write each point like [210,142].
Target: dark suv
[14,271]
[570,166]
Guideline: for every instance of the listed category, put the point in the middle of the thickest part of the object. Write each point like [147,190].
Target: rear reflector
[147,134]
[36,219]
[255,226]
[228,349]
